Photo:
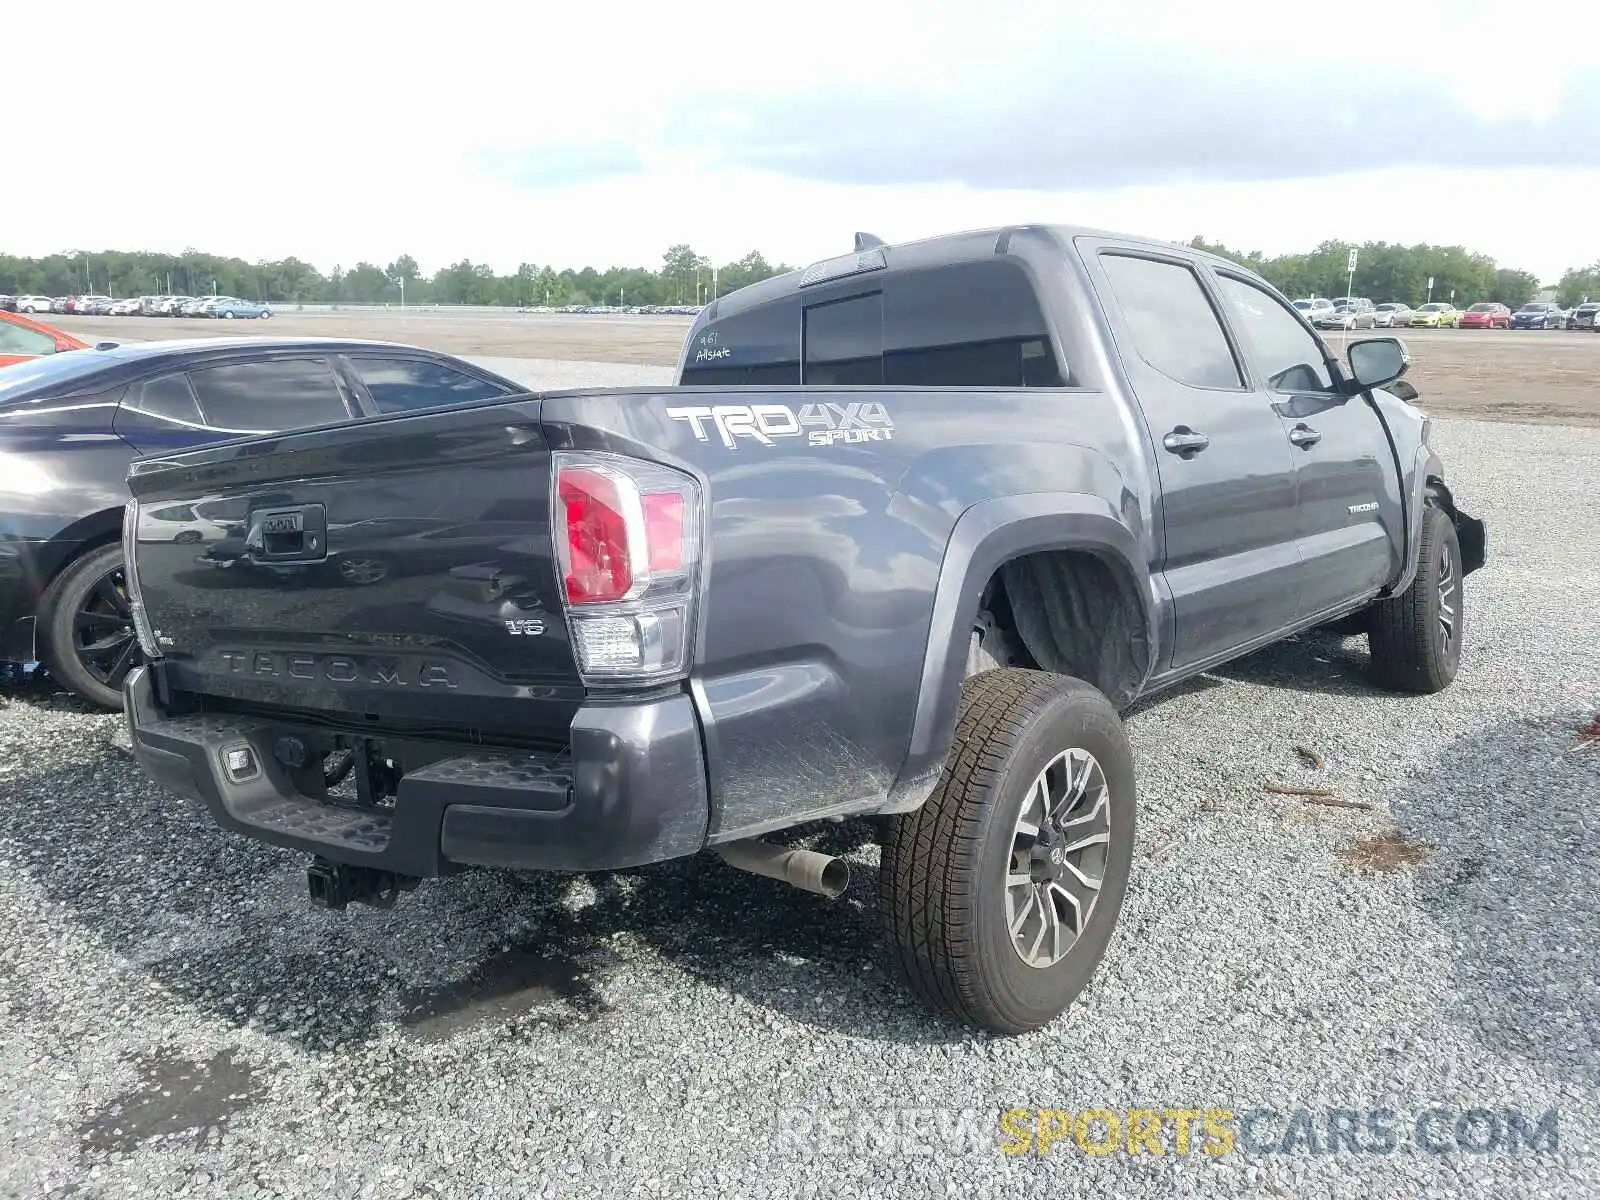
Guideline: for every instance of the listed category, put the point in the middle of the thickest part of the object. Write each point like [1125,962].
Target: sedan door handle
[1185,442]
[1304,436]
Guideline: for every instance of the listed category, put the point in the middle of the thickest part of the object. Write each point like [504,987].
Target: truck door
[1350,531]
[1227,477]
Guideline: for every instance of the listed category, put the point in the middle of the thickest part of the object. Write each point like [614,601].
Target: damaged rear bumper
[630,788]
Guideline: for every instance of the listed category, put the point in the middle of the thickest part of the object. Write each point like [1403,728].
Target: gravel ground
[176,1021]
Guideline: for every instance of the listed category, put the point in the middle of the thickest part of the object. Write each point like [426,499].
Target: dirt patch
[1540,376]
[174,1096]
[1385,853]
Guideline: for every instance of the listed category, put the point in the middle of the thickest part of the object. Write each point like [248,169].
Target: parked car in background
[22,339]
[33,304]
[1312,306]
[194,307]
[1538,314]
[1486,314]
[131,307]
[59,304]
[1391,315]
[71,424]
[228,307]
[1585,316]
[1348,313]
[172,306]
[8,304]
[1434,315]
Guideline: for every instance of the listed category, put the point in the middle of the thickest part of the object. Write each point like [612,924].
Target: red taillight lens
[664,526]
[598,565]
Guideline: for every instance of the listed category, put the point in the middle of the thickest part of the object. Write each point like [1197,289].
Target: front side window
[408,384]
[1290,359]
[1173,325]
[268,396]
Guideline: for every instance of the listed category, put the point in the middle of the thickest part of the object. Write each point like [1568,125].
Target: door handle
[1185,442]
[1304,436]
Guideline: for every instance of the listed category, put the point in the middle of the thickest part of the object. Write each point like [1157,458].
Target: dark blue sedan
[71,423]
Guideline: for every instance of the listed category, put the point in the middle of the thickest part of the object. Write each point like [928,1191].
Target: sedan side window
[1289,357]
[407,384]
[19,339]
[269,396]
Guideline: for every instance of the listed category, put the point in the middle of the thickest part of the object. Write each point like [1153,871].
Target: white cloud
[341,131]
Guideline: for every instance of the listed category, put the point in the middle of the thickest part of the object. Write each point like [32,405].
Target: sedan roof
[78,371]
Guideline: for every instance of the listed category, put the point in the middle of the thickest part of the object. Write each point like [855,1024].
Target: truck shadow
[1318,662]
[222,923]
[1514,821]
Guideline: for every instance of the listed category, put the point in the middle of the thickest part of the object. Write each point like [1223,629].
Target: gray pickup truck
[915,527]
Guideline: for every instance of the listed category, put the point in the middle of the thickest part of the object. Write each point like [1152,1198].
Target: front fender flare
[987,535]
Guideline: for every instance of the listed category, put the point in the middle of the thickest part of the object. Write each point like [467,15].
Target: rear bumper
[631,789]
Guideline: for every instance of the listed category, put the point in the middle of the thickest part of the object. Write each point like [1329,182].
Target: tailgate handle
[294,534]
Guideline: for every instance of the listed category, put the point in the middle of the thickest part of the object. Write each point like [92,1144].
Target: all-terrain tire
[1415,637]
[944,872]
[58,613]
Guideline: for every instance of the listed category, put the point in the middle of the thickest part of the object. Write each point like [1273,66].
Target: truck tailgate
[364,571]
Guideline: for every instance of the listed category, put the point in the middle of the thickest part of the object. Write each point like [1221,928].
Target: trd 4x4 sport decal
[820,424]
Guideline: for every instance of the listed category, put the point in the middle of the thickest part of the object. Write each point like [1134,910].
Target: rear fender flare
[987,535]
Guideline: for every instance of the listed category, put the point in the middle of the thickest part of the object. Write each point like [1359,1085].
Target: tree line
[684,277]
[1384,271]
[1389,272]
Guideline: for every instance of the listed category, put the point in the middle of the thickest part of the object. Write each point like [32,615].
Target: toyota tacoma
[913,529]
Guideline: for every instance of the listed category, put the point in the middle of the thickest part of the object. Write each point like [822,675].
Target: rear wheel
[1002,890]
[87,623]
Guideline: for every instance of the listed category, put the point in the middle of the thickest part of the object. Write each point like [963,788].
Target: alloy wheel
[1448,587]
[103,637]
[1059,849]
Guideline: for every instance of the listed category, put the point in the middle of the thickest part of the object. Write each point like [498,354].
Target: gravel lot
[175,1020]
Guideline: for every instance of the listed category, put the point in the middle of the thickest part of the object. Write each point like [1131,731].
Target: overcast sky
[600,133]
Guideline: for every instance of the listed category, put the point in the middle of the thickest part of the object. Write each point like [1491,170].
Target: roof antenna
[867,241]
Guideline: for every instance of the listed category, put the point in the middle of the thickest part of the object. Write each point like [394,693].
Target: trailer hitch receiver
[335,885]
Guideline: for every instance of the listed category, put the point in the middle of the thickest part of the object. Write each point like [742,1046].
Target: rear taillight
[627,541]
[130,578]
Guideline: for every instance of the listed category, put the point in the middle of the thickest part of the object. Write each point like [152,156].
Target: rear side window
[407,384]
[264,397]
[169,398]
[1173,325]
[974,325]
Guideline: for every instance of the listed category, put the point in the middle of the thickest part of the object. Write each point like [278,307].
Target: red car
[1488,315]
[22,338]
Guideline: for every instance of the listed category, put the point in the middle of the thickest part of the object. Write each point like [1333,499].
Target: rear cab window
[967,324]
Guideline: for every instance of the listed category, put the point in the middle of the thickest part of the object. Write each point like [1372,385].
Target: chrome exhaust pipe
[808,870]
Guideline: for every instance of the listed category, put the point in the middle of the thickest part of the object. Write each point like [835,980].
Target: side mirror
[1377,362]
